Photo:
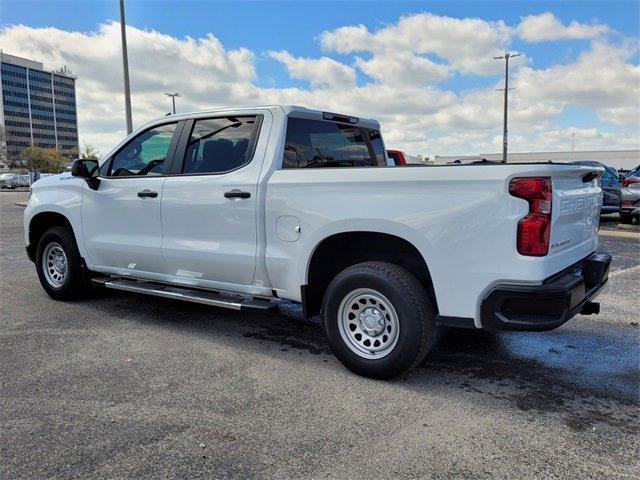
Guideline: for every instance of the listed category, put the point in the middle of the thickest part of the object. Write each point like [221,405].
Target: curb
[625,226]
[619,234]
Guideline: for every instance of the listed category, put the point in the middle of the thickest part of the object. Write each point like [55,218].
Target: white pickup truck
[235,208]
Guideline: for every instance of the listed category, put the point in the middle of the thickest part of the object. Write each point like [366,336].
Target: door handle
[235,193]
[147,193]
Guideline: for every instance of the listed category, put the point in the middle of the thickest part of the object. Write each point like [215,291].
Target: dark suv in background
[611,186]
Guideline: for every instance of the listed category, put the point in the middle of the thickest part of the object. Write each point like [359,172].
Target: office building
[38,107]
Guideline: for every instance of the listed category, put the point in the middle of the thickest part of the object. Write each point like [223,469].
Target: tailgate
[575,215]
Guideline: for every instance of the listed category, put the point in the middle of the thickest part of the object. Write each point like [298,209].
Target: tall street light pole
[125,67]
[506,58]
[173,100]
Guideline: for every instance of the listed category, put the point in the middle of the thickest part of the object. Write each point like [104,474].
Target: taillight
[534,230]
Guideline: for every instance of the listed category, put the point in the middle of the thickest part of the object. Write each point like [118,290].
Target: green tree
[47,160]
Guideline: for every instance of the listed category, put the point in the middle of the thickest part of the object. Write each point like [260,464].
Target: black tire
[409,299]
[625,217]
[75,284]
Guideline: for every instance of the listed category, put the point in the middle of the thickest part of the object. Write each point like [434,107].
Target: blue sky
[297,27]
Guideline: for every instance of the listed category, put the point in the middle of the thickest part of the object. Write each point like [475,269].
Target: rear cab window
[317,144]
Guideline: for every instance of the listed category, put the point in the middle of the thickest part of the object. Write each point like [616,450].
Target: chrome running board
[215,299]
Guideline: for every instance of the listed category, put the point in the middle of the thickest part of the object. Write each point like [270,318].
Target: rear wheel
[378,319]
[59,265]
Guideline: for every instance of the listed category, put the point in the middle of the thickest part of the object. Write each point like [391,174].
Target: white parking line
[626,270]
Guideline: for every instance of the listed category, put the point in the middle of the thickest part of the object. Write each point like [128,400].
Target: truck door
[209,203]
[121,221]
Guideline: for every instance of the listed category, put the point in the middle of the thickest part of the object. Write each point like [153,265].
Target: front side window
[219,145]
[145,154]
[316,143]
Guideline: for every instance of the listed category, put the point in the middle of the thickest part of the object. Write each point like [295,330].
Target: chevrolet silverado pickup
[236,208]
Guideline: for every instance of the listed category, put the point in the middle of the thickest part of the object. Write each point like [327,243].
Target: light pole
[173,100]
[506,58]
[125,67]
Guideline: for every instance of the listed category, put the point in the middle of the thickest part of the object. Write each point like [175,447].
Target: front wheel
[59,266]
[378,319]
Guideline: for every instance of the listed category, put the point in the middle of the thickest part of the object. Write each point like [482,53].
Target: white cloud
[467,44]
[403,68]
[546,26]
[625,116]
[320,72]
[600,78]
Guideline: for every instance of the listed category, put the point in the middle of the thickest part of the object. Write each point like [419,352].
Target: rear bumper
[549,305]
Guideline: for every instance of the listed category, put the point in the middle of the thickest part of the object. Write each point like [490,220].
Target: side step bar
[215,299]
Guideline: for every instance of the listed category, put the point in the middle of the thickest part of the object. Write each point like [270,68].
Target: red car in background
[397,157]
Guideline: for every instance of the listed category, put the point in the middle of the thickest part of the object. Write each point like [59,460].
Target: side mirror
[87,169]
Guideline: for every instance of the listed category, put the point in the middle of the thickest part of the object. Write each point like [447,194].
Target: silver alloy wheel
[368,323]
[54,264]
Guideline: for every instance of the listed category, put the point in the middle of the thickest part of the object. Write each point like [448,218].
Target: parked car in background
[610,184]
[631,176]
[9,180]
[14,180]
[23,180]
[397,157]
[630,201]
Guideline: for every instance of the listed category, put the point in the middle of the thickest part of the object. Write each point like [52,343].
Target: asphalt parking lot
[128,386]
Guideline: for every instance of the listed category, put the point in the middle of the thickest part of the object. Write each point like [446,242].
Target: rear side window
[218,145]
[316,143]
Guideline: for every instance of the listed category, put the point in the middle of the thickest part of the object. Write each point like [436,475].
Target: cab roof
[294,111]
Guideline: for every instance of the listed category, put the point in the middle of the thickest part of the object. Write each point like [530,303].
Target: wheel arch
[340,250]
[40,223]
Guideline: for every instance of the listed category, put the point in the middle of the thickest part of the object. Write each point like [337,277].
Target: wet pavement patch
[287,338]
[513,367]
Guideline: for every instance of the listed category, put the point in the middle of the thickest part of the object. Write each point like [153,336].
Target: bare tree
[89,152]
